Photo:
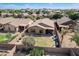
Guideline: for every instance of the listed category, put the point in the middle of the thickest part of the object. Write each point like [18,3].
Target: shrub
[76,38]
[57,16]
[37,52]
[29,41]
[8,35]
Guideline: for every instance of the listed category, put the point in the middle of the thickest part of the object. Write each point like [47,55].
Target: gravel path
[67,43]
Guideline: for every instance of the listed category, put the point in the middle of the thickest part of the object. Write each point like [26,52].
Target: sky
[39,5]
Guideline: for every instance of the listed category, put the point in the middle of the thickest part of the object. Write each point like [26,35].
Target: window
[41,31]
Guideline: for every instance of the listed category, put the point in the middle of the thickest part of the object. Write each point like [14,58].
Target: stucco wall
[11,52]
[37,29]
[58,51]
[9,27]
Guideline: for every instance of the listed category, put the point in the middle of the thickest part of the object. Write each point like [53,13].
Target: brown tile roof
[25,14]
[21,22]
[15,21]
[6,20]
[45,23]
[63,20]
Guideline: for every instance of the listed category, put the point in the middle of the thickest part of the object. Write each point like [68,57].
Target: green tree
[57,16]
[37,52]
[30,12]
[18,11]
[45,11]
[28,41]
[38,11]
[74,17]
[69,12]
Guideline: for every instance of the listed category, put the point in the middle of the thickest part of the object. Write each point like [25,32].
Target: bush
[57,16]
[76,38]
[29,41]
[37,52]
[8,35]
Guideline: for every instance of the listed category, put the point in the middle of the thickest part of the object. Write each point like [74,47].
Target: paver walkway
[67,43]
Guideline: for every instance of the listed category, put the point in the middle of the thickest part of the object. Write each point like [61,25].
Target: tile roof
[45,23]
[63,20]
[15,21]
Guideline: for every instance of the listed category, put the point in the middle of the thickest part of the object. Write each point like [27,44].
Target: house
[42,26]
[18,25]
[34,14]
[25,15]
[14,24]
[3,22]
[64,22]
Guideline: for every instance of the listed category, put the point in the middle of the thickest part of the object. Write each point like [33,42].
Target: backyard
[6,37]
[40,41]
[44,42]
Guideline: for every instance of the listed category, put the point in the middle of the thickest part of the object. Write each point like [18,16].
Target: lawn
[44,42]
[5,37]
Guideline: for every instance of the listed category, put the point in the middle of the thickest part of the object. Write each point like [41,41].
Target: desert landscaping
[38,29]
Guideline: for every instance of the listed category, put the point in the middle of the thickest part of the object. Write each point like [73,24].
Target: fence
[48,50]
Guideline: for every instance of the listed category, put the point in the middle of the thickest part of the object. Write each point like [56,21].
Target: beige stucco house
[42,26]
[18,25]
[3,22]
[65,22]
[15,24]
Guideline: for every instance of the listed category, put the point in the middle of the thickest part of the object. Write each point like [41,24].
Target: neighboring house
[18,25]
[15,24]
[25,15]
[64,22]
[42,26]
[3,22]
[34,14]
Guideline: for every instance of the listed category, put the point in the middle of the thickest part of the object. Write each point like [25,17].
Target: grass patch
[43,42]
[6,37]
[76,38]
